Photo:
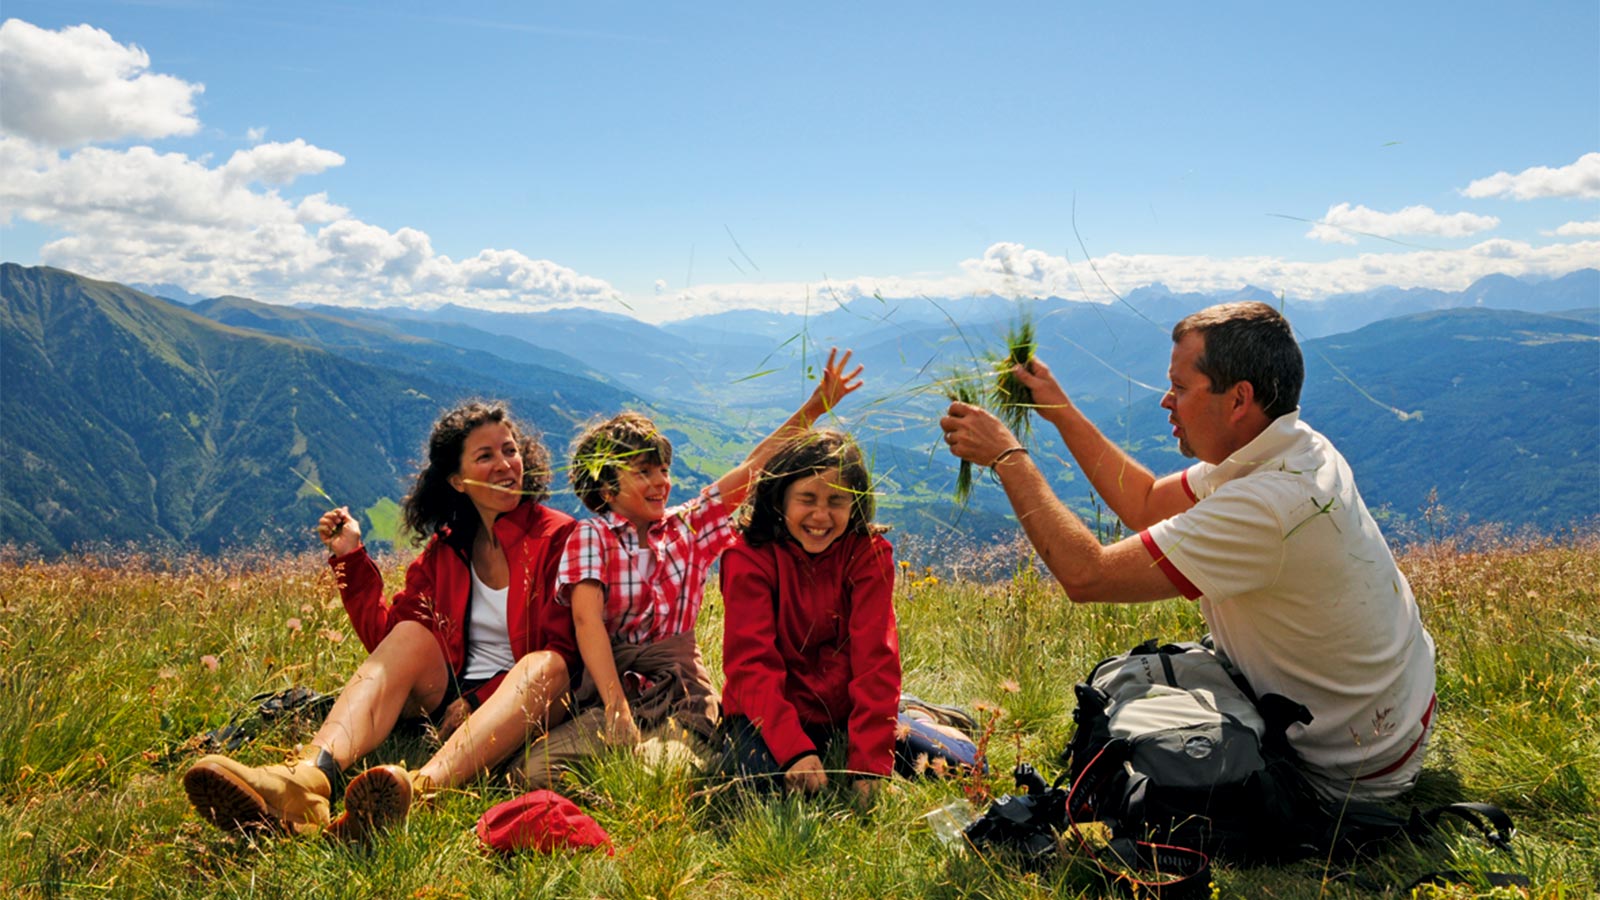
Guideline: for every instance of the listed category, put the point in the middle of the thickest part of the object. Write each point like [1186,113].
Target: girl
[472,640]
[810,646]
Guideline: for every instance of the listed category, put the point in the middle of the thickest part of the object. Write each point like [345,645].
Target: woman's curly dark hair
[761,517]
[603,448]
[434,507]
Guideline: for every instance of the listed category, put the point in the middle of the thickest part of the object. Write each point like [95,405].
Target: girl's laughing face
[816,510]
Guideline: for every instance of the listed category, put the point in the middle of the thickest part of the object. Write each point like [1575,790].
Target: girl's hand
[867,790]
[806,775]
[621,730]
[834,386]
[339,531]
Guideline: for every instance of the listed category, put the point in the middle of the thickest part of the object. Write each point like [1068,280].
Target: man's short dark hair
[1252,342]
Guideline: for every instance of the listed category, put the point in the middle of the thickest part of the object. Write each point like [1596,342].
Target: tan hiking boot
[423,789]
[237,797]
[374,800]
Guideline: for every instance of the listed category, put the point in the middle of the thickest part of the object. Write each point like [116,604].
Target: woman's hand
[806,775]
[339,531]
[455,715]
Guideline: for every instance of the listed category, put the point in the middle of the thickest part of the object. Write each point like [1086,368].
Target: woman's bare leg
[523,707]
[407,671]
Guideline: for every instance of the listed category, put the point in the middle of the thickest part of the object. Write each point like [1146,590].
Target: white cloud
[318,210]
[1579,180]
[255,135]
[1344,222]
[1576,229]
[279,164]
[1012,270]
[78,85]
[140,216]
[1442,269]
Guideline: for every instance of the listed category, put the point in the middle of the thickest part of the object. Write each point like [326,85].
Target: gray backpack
[1169,748]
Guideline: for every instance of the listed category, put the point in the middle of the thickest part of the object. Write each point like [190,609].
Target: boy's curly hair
[761,517]
[624,440]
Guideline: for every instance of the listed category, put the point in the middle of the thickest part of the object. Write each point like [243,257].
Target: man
[1267,531]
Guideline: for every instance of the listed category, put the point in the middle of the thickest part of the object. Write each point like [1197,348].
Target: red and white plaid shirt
[684,545]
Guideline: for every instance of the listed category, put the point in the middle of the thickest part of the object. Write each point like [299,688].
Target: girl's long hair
[761,518]
[434,507]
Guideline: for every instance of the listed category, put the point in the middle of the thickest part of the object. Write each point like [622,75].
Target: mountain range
[223,421]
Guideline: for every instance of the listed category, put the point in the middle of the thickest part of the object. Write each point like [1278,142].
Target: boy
[634,577]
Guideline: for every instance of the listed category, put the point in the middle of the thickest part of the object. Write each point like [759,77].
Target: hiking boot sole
[225,801]
[374,800]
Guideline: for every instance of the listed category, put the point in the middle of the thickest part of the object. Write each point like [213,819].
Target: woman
[472,640]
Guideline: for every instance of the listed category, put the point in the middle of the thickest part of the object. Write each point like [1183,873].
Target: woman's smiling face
[491,469]
[816,510]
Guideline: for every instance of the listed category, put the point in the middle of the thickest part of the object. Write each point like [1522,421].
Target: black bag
[1183,762]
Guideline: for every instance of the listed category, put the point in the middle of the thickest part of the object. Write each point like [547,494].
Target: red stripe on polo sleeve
[1183,584]
[1183,479]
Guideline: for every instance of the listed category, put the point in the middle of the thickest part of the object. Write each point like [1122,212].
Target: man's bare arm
[1136,495]
[1088,571]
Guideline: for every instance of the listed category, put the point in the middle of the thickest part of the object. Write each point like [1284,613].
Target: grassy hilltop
[109,664]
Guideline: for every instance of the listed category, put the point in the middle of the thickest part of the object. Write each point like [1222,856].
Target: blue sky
[675,159]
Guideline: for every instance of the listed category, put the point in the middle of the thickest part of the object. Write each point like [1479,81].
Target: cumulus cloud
[1580,180]
[318,210]
[1344,222]
[279,164]
[139,215]
[1013,270]
[142,216]
[78,85]
[1577,229]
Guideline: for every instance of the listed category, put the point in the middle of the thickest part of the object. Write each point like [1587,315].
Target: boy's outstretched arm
[834,386]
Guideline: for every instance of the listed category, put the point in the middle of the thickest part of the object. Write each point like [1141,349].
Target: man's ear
[1241,399]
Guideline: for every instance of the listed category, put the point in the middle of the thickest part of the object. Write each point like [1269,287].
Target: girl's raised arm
[835,385]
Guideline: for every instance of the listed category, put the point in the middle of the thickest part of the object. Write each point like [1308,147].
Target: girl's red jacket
[811,641]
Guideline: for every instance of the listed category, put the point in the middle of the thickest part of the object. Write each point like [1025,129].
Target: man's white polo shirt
[1302,593]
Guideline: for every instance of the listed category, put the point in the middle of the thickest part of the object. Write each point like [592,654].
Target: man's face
[1199,418]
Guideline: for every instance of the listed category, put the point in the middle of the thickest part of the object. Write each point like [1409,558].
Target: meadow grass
[110,664]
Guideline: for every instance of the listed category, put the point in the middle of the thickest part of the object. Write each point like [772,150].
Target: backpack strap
[1490,820]
[1141,868]
[1158,870]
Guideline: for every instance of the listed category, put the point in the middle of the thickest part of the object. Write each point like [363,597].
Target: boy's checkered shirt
[685,543]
